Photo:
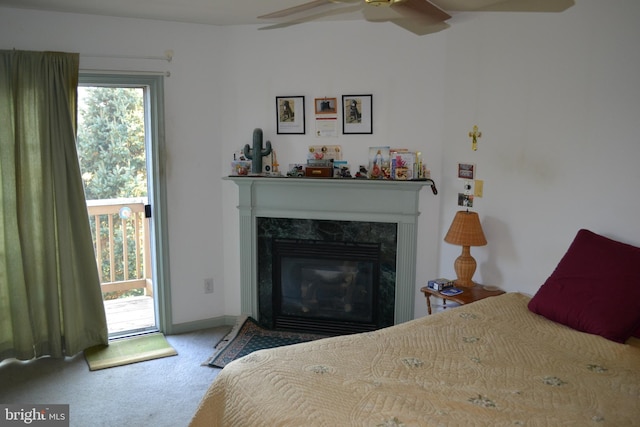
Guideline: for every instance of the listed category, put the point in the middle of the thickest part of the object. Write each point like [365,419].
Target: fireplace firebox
[326,286]
[330,277]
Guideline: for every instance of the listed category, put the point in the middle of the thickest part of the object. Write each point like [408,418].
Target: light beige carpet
[129,350]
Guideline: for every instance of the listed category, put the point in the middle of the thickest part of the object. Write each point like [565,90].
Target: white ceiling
[214,12]
[239,12]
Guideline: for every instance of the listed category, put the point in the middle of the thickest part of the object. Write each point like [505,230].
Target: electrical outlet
[208,285]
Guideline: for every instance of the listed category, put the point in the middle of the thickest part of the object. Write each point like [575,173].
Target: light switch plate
[478,188]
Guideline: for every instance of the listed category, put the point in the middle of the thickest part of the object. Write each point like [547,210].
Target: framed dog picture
[357,114]
[290,114]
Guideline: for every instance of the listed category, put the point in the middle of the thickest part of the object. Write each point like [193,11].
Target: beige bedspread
[490,363]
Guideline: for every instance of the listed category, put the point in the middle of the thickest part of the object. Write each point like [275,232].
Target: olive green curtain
[50,297]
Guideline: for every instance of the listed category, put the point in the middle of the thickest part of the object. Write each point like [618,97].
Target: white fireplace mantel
[330,199]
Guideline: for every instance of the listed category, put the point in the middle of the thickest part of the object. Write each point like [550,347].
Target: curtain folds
[50,297]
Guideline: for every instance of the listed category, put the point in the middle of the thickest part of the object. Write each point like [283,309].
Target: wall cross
[474,138]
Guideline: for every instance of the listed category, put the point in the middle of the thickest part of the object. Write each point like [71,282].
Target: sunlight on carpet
[128,350]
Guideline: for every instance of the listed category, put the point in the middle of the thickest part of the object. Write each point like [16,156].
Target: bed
[505,360]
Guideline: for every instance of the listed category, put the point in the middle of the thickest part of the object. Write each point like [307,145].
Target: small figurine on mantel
[275,166]
[256,153]
[362,173]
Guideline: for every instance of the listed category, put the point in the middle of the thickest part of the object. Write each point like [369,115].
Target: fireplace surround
[376,201]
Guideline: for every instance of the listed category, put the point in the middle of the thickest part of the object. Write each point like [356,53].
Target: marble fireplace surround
[330,199]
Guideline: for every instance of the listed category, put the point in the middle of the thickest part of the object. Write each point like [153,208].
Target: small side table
[467,296]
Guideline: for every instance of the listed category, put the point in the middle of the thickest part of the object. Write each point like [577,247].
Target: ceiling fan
[418,16]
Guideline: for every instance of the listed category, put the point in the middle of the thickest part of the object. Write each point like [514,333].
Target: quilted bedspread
[490,363]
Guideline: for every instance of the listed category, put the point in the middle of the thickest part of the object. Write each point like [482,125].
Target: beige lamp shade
[465,231]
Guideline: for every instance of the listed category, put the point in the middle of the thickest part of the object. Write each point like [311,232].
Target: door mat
[247,336]
[128,350]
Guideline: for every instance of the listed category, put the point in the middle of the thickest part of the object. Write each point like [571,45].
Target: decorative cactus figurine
[256,153]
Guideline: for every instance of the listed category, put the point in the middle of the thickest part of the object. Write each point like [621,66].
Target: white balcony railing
[122,245]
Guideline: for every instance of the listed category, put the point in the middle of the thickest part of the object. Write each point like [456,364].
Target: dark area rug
[247,336]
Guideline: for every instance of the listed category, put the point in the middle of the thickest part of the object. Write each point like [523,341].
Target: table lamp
[465,231]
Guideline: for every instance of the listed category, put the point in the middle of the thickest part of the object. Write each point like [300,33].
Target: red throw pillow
[595,288]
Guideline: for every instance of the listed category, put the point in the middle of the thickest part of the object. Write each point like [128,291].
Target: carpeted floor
[247,336]
[161,393]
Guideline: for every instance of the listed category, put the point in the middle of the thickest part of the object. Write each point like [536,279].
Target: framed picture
[379,162]
[326,105]
[356,114]
[466,170]
[465,200]
[290,114]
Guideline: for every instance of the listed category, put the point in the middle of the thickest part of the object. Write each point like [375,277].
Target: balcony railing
[122,246]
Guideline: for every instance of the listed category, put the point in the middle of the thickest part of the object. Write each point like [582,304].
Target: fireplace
[375,202]
[332,277]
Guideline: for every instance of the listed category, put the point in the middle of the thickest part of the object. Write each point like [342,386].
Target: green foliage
[111,142]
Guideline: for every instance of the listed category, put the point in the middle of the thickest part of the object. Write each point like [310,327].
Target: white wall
[332,59]
[558,102]
[223,84]
[555,96]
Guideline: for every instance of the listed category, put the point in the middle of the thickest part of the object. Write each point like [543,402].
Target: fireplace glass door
[320,285]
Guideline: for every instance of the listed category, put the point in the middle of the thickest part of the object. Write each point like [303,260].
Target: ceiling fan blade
[421,9]
[505,5]
[418,17]
[404,10]
[420,28]
[300,20]
[295,9]
[531,6]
